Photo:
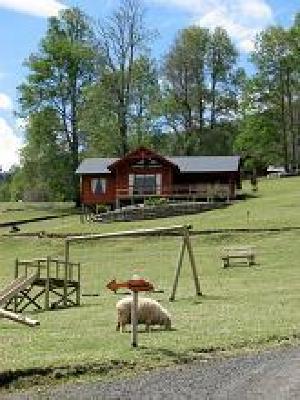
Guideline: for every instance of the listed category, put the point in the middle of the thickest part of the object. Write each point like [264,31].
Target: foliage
[58,75]
[155,201]
[275,90]
[258,141]
[5,191]
[202,83]
[121,43]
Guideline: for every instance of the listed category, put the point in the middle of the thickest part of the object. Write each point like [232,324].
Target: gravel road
[271,375]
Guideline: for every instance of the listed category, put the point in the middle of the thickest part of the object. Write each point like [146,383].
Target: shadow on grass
[211,297]
[201,299]
[242,265]
[153,330]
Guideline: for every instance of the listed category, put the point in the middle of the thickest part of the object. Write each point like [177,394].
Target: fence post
[47,285]
[134,319]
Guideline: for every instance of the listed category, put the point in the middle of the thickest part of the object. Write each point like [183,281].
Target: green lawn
[17,211]
[241,306]
[276,205]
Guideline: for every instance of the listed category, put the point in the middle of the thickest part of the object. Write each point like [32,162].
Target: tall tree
[222,59]
[184,72]
[276,61]
[58,76]
[122,39]
[145,96]
[45,160]
[100,116]
[201,87]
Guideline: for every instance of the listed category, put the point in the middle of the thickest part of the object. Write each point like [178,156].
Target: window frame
[95,186]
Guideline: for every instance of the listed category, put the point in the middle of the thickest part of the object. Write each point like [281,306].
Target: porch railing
[222,191]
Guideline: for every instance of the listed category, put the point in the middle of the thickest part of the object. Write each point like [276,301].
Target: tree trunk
[188,116]
[213,101]
[75,142]
[213,91]
[201,115]
[123,131]
[283,124]
[291,119]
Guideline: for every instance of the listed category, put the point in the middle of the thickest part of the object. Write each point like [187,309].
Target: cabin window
[98,186]
[145,184]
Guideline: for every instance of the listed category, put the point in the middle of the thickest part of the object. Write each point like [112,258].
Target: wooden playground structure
[43,284]
[182,231]
[51,283]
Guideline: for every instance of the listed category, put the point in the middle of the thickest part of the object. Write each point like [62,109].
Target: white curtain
[158,183]
[130,183]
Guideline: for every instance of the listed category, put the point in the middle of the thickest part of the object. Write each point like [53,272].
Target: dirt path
[272,375]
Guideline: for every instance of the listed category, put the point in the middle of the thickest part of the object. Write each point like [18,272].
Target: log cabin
[143,173]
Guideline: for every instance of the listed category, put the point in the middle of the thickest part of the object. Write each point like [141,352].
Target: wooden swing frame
[178,230]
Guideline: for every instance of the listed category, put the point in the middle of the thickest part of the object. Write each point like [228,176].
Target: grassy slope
[10,212]
[241,305]
[276,205]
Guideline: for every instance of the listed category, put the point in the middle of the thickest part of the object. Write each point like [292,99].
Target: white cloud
[256,9]
[10,145]
[40,8]
[243,19]
[5,102]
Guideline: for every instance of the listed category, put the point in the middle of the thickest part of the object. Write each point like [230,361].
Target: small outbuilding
[144,173]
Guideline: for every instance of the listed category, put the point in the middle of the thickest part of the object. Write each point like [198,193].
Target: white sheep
[150,312]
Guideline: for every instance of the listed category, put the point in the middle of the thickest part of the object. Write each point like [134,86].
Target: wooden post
[134,319]
[67,251]
[192,261]
[16,277]
[57,269]
[39,268]
[16,268]
[18,318]
[67,260]
[178,270]
[47,287]
[136,284]
[78,287]
[65,284]
[70,269]
[82,214]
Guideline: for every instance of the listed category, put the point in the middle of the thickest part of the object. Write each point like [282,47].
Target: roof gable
[142,153]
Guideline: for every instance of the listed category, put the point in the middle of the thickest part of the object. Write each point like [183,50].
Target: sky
[24,22]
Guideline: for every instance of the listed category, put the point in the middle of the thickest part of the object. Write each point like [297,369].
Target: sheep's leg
[123,328]
[147,327]
[118,326]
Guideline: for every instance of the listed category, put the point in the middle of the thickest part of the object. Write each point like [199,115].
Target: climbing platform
[42,284]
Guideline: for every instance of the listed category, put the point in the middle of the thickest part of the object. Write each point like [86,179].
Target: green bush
[155,201]
[101,208]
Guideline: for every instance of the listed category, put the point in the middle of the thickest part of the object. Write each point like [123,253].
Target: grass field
[241,306]
[18,211]
[277,205]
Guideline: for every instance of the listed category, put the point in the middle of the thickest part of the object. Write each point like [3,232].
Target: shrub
[155,201]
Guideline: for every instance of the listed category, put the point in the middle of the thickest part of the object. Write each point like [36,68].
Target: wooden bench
[242,254]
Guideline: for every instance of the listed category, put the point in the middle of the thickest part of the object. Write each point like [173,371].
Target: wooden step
[16,287]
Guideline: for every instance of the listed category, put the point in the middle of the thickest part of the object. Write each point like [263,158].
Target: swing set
[181,231]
